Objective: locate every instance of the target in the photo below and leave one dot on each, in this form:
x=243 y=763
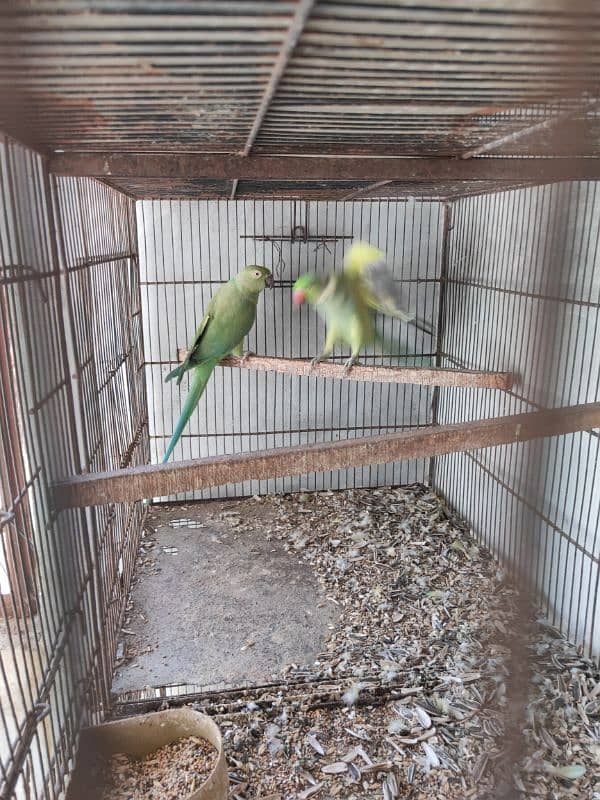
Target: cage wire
x=88 y=329
x=189 y=248
x=72 y=399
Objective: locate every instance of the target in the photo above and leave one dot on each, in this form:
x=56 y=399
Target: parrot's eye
x=257 y=274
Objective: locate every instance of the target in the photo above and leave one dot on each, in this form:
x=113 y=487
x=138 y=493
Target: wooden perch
x=161 y=480
x=427 y=376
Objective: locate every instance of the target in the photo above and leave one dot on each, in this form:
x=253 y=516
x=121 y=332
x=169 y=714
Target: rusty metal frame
x=531 y=130
x=331 y=168
x=299 y=21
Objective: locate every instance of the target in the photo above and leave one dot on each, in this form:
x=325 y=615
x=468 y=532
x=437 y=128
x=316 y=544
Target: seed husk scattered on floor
x=408 y=697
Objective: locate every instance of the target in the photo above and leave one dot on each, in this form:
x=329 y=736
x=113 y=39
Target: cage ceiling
x=139 y=94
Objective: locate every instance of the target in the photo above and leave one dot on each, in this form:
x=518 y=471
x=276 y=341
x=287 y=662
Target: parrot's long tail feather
x=422 y=325
x=409 y=319
x=393 y=349
x=200 y=377
x=176 y=373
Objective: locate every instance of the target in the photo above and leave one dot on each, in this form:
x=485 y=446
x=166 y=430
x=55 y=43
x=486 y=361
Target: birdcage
x=151 y=151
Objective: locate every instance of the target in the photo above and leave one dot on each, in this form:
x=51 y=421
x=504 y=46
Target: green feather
x=198 y=383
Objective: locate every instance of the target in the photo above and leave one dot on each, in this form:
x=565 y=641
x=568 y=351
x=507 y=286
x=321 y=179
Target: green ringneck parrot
x=229 y=316
x=348 y=320
x=348 y=301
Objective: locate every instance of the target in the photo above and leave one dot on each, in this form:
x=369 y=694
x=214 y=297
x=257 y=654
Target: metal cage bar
x=70 y=360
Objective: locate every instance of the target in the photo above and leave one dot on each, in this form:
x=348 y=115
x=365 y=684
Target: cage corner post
x=441 y=325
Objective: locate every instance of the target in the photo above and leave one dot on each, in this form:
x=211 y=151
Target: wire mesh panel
x=523 y=294
x=189 y=248
x=70 y=399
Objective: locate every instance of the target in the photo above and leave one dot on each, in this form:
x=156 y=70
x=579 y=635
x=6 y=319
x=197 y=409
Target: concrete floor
x=218 y=603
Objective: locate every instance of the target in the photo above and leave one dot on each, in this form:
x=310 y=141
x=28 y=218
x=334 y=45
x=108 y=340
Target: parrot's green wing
x=383 y=292
x=366 y=266
x=180 y=371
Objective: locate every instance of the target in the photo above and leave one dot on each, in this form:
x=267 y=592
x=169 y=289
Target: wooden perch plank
x=426 y=376
x=161 y=480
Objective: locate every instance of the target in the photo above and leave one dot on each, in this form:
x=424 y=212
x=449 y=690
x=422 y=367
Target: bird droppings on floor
x=407 y=697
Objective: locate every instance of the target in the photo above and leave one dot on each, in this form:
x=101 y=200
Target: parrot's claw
x=314 y=361
x=246 y=356
x=348 y=365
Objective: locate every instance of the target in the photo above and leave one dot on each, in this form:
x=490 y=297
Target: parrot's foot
x=349 y=364
x=317 y=360
x=246 y=356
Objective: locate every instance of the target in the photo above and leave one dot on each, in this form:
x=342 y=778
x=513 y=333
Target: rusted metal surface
x=277 y=77
x=176 y=188
x=534 y=129
x=162 y=480
x=426 y=376
x=404 y=65
x=135 y=75
x=169 y=165
x=303 y=10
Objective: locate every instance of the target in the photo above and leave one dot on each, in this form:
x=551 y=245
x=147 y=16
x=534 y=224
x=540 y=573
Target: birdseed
x=170 y=773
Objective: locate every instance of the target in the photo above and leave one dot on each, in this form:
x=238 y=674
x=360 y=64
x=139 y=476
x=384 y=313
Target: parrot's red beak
x=298 y=297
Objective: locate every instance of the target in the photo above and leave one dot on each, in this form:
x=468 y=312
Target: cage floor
x=407 y=697
x=218 y=600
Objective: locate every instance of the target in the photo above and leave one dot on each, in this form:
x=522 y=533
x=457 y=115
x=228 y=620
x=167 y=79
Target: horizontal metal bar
x=278 y=284
x=33 y=274
x=47 y=397
x=215 y=697
x=161 y=480
x=113 y=371
x=293 y=239
x=8 y=515
x=293 y=431
x=30 y=275
x=105 y=259
x=521 y=293
x=424 y=376
x=332 y=168
x=365 y=189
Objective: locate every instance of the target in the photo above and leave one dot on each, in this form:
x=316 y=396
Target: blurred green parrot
x=230 y=314
x=348 y=302
x=366 y=266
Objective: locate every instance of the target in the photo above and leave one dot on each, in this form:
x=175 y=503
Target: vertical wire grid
x=241 y=411
x=523 y=294
x=72 y=399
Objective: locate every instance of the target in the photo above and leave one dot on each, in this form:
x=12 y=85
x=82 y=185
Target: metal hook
x=280 y=265
x=318 y=246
